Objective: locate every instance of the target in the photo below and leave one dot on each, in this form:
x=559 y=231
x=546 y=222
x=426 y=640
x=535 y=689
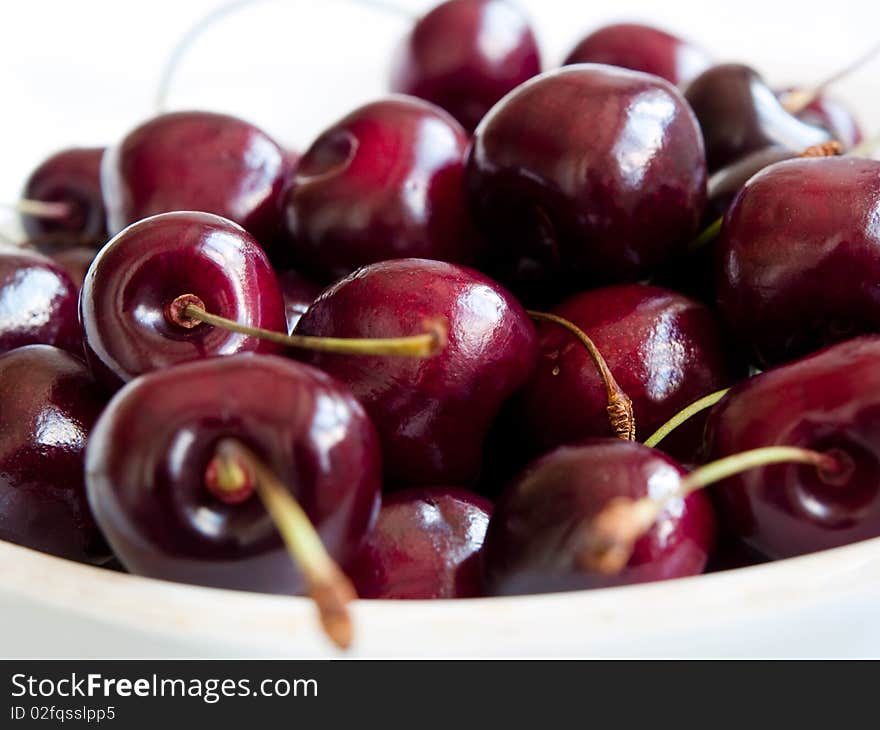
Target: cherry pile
x=229 y=364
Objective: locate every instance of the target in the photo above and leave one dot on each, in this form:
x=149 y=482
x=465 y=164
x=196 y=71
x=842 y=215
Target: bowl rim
x=288 y=624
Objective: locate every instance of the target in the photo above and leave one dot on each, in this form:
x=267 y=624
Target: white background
x=77 y=72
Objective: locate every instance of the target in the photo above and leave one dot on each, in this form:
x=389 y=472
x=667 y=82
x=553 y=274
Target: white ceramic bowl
x=100 y=82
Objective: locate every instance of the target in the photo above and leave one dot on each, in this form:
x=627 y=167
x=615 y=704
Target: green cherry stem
x=707 y=401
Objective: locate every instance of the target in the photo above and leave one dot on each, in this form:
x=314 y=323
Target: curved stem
x=326 y=584
x=799 y=99
x=211 y=19
x=707 y=401
x=620 y=409
x=609 y=542
x=185 y=313
x=39 y=208
x=707 y=235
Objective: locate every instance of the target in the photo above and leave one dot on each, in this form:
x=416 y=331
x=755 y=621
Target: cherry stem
x=613 y=534
x=707 y=401
x=620 y=408
x=188 y=311
x=202 y=25
x=50 y=210
x=326 y=584
x=799 y=99
x=708 y=234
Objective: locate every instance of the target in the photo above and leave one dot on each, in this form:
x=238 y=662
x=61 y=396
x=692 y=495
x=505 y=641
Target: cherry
x=75 y=260
x=384 y=182
x=38 y=302
x=664 y=349
x=539 y=537
x=427 y=543
x=464 y=55
x=49 y=403
x=833 y=116
x=642 y=48
x=178 y=500
x=299 y=293
x=586 y=172
x=740 y=116
x=432 y=415
x=195 y=161
x=799 y=256
x=71 y=179
x=128 y=324
x=829 y=402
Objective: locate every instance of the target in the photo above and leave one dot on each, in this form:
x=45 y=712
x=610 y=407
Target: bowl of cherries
x=520 y=358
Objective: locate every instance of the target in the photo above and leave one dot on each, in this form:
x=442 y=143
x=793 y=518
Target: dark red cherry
x=127 y=324
x=75 y=260
x=464 y=55
x=38 y=302
x=799 y=257
x=642 y=48
x=833 y=116
x=299 y=293
x=427 y=543
x=541 y=525
x=431 y=414
x=385 y=182
x=148 y=456
x=740 y=115
x=586 y=173
x=72 y=177
x=664 y=350
x=828 y=402
x=49 y=404
x=195 y=161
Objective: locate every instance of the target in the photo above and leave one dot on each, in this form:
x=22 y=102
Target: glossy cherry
x=128 y=327
x=72 y=177
x=834 y=116
x=49 y=404
x=38 y=302
x=740 y=115
x=195 y=161
x=464 y=55
x=664 y=350
x=586 y=173
x=431 y=414
x=541 y=524
x=642 y=48
x=799 y=257
x=828 y=402
x=427 y=543
x=148 y=457
x=299 y=293
x=385 y=182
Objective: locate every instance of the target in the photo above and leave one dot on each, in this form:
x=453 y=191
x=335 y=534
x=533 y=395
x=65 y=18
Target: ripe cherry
x=539 y=537
x=464 y=55
x=642 y=48
x=427 y=543
x=384 y=182
x=586 y=173
x=799 y=255
x=178 y=502
x=827 y=402
x=71 y=180
x=664 y=350
x=432 y=415
x=197 y=161
x=741 y=116
x=38 y=302
x=49 y=404
x=128 y=323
